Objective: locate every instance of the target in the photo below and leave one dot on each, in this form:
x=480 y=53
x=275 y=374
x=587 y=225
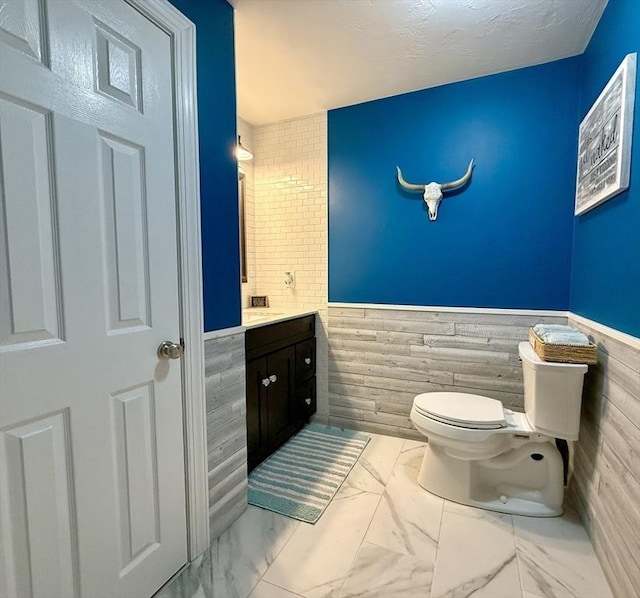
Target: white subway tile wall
x=286 y=220
x=245 y=130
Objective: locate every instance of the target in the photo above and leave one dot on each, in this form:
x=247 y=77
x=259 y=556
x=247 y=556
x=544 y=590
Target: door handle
x=307 y=401
x=307 y=360
x=265 y=382
x=273 y=378
x=170 y=350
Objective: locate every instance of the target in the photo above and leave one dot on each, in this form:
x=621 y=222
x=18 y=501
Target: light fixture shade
x=242 y=153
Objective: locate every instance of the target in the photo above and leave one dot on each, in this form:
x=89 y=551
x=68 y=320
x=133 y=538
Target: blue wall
x=605 y=282
x=505 y=240
x=218 y=167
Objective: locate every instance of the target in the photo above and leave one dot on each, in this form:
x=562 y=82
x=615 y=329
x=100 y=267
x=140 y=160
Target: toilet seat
x=462 y=410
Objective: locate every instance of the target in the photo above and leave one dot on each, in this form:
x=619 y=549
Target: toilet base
x=527 y=480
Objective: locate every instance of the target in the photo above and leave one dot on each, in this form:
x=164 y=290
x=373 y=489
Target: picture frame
x=604 y=142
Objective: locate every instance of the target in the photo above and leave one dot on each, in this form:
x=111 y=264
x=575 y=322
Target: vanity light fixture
x=242 y=153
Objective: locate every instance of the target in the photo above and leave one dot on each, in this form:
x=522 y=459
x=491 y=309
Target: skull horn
x=460 y=181
x=408 y=186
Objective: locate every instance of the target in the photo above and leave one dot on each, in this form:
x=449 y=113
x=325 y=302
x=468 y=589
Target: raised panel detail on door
x=30 y=298
x=117 y=67
x=135 y=442
x=37 y=499
x=281 y=398
x=22 y=26
x=126 y=234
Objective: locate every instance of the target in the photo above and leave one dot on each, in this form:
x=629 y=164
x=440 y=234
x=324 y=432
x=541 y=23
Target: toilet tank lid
x=463 y=408
x=528 y=355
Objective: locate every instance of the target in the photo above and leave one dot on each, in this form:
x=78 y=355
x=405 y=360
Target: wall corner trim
x=622 y=337
x=207 y=336
x=447 y=309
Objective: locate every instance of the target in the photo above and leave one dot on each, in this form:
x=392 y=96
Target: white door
x=92 y=483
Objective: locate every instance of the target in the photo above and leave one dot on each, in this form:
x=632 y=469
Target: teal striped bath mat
x=301 y=477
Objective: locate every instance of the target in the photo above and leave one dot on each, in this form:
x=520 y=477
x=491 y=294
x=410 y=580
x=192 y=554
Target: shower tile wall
x=226 y=430
x=379 y=359
x=289 y=222
x=606 y=483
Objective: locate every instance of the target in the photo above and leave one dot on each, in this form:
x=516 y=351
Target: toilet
x=482 y=454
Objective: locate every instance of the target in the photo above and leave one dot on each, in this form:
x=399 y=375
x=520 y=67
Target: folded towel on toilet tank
x=559 y=334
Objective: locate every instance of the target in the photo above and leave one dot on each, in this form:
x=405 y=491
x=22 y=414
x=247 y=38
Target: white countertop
x=260 y=316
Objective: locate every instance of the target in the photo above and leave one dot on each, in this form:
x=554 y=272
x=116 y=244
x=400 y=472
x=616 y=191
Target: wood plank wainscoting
x=380 y=358
x=226 y=427
x=605 y=486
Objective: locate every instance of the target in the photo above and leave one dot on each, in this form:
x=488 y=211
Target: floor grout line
x=357 y=552
x=260 y=578
x=435 y=559
x=518 y=560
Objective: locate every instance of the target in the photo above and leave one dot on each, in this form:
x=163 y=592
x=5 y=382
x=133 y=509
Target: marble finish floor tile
x=194 y=581
x=408 y=517
x=243 y=553
x=556 y=558
x=411 y=453
x=317 y=558
x=378 y=539
x=267 y=590
x=476 y=555
x=375 y=465
x=379 y=572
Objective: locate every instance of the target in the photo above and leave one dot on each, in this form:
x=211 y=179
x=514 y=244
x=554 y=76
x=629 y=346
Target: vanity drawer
x=306 y=398
x=305 y=359
x=271 y=337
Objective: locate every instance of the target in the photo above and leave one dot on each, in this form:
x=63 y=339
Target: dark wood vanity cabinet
x=281 y=384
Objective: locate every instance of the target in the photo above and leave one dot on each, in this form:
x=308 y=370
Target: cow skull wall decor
x=433 y=191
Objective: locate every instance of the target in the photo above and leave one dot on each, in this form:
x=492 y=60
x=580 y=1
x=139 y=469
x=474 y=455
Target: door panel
x=35 y=490
x=126 y=235
x=117 y=66
x=30 y=306
x=135 y=434
x=88 y=252
x=21 y=27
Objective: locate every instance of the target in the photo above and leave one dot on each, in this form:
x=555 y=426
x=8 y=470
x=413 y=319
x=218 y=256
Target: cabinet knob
x=265 y=382
x=307 y=401
x=273 y=378
x=307 y=360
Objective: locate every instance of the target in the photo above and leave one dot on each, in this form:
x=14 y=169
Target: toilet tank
x=552 y=394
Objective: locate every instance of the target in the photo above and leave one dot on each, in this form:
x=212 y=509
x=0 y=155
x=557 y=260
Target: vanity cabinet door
x=257 y=429
x=281 y=404
x=281 y=393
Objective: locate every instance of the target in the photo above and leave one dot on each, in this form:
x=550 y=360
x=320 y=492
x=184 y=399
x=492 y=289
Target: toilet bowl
x=482 y=454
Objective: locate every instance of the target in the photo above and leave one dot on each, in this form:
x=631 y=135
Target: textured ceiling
x=296 y=57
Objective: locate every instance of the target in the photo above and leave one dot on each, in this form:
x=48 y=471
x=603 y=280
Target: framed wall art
x=604 y=143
